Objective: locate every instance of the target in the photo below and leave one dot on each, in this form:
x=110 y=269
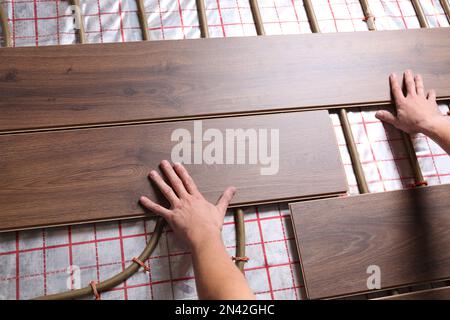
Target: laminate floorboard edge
x=153 y=81
x=85 y=175
x=341 y=241
x=431 y=294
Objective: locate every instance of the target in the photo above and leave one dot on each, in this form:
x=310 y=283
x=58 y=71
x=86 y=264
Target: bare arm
x=417 y=112
x=199 y=223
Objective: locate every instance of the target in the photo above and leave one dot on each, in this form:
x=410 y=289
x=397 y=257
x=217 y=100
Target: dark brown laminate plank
x=73 y=176
x=431 y=294
x=63 y=86
x=406 y=233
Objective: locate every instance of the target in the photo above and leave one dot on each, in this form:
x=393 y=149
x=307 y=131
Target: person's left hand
x=191 y=216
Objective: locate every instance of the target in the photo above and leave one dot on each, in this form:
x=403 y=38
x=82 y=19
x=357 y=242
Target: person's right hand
x=417 y=112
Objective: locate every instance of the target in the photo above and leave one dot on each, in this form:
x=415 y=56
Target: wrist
x=205 y=240
x=435 y=127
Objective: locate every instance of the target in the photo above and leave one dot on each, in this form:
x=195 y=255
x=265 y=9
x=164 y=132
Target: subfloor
x=39 y=262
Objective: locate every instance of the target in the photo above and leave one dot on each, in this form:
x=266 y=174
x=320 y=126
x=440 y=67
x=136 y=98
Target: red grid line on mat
x=287 y=252
x=122 y=256
x=373 y=155
x=170 y=269
x=57 y=24
x=69 y=238
x=36 y=24
x=240 y=17
x=44 y=259
x=121 y=21
x=17 y=267
x=97 y=263
x=99 y=21
x=266 y=264
x=243 y=21
x=150 y=269
x=219 y=10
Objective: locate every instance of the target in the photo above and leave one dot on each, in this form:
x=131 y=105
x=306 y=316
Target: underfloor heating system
x=46 y=261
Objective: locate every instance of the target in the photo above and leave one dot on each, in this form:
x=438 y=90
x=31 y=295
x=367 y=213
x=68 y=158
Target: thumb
x=386 y=116
x=225 y=199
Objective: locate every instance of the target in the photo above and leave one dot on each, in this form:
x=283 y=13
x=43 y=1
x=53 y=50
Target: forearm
x=216 y=275
x=439 y=132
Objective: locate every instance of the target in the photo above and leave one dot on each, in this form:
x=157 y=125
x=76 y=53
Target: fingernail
x=152 y=173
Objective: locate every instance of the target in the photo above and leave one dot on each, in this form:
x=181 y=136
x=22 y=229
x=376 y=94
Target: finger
x=431 y=95
x=395 y=88
x=156 y=208
x=386 y=116
x=165 y=189
x=175 y=181
x=225 y=199
x=420 y=90
x=187 y=180
x=409 y=83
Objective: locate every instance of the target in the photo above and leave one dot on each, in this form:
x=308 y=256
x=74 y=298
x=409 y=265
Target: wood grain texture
x=60 y=86
x=81 y=175
x=431 y=294
x=406 y=233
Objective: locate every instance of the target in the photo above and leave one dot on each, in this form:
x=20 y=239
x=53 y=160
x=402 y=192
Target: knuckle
x=177 y=204
x=185 y=177
x=191 y=198
x=196 y=195
x=166 y=190
x=178 y=184
x=191 y=184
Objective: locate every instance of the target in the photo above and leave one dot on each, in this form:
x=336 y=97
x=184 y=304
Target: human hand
x=192 y=218
x=417 y=111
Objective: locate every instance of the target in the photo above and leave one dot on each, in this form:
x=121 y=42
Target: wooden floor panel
x=76 y=85
x=405 y=233
x=72 y=176
x=431 y=294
